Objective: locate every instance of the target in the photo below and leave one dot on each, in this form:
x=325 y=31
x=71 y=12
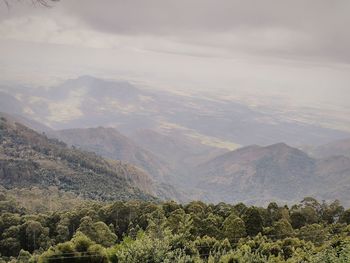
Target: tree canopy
x=140 y=231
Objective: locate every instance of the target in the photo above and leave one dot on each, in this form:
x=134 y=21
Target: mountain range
x=112 y=140
x=87 y=101
x=253 y=174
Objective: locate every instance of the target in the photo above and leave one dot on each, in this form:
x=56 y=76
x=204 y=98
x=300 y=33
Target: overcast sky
x=298 y=51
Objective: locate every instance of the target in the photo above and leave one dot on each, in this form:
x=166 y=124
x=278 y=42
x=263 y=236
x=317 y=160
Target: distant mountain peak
x=283 y=148
x=273 y=172
x=279 y=145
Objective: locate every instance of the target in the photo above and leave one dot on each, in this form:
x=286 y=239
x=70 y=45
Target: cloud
x=296 y=49
x=49 y=30
x=315 y=28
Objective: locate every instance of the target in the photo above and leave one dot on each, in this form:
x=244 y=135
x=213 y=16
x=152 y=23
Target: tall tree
x=253 y=221
x=234 y=228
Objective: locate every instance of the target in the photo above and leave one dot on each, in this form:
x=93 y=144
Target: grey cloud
x=312 y=28
x=298 y=29
x=194 y=44
x=167 y=16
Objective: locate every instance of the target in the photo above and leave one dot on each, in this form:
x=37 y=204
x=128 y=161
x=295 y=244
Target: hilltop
x=258 y=174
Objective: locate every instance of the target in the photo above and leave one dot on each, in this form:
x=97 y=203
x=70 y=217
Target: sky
x=292 y=52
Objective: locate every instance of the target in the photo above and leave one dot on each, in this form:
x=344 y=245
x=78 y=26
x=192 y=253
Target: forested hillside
x=258 y=175
x=137 y=231
x=171 y=166
x=109 y=143
x=30 y=159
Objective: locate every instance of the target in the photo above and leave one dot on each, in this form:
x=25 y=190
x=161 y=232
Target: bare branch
x=7 y=4
x=44 y=3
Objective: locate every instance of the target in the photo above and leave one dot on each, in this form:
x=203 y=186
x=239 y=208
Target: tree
x=202 y=234
x=315 y=233
x=79 y=249
x=234 y=228
x=274 y=212
x=282 y=229
x=174 y=219
x=253 y=221
x=331 y=213
x=10 y=246
x=345 y=217
x=81 y=242
x=196 y=207
x=23 y=256
x=35 y=236
x=143 y=249
x=62 y=232
x=206 y=225
x=298 y=219
x=223 y=210
x=311 y=202
x=211 y=226
x=98 y=232
x=240 y=208
x=205 y=246
x=169 y=207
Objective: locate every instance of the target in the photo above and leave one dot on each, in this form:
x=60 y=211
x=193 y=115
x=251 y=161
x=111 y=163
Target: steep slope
x=334 y=173
x=109 y=143
x=30 y=123
x=30 y=159
x=277 y=172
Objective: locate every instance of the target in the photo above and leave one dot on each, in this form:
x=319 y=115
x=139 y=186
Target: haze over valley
x=203 y=148
x=174 y=131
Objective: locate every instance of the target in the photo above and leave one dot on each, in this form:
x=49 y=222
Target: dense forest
x=141 y=231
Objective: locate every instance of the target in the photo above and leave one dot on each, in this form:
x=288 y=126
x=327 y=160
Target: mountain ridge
x=274 y=172
x=89 y=101
x=111 y=144
x=31 y=159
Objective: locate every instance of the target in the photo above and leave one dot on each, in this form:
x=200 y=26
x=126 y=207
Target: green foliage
x=314 y=232
x=143 y=249
x=234 y=228
x=79 y=249
x=23 y=256
x=253 y=221
x=345 y=217
x=99 y=232
x=170 y=232
x=298 y=219
x=30 y=159
x=282 y=229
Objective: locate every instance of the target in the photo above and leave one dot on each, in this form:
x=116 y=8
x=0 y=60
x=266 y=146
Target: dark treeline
x=137 y=231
